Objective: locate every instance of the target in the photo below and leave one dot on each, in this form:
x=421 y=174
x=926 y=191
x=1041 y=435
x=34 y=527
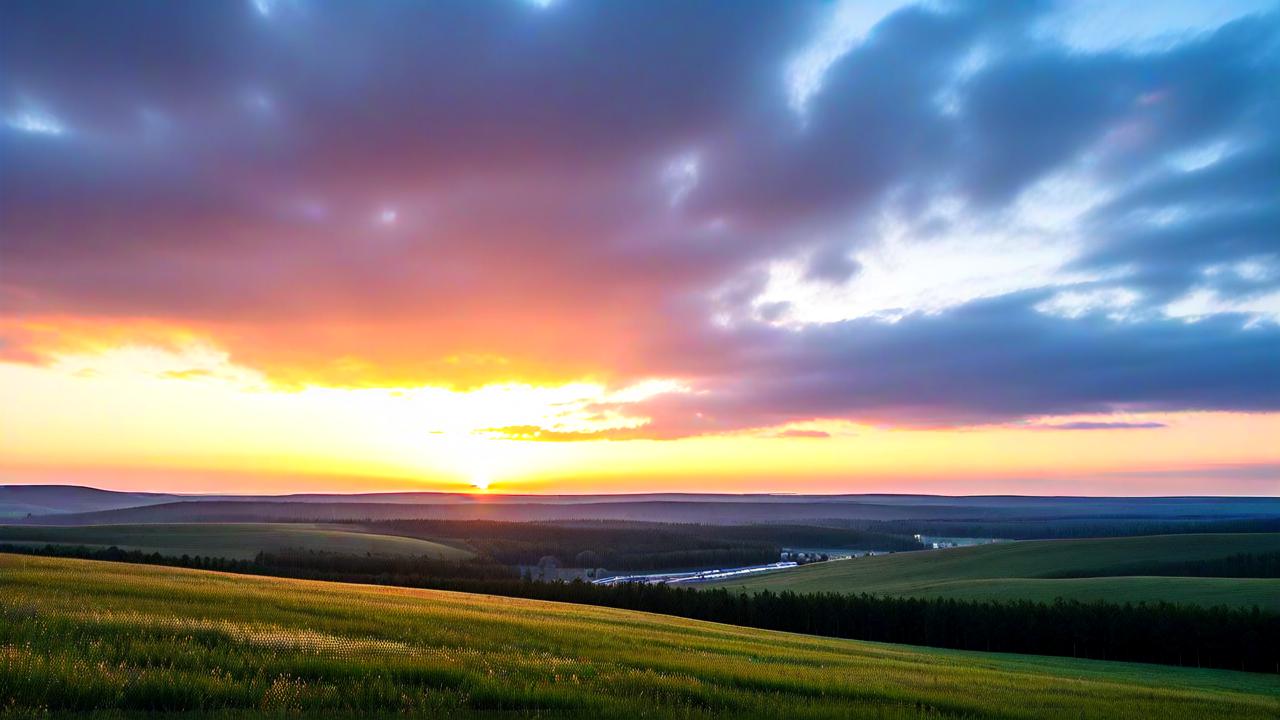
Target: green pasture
x=81 y=638
x=1024 y=570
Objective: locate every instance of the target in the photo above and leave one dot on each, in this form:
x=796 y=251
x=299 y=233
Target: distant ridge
x=21 y=500
x=76 y=505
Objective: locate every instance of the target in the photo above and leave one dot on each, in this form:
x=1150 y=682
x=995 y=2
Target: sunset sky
x=571 y=246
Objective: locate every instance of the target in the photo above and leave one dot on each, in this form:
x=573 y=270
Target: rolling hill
x=239 y=540
x=1026 y=570
x=163 y=639
x=707 y=512
x=73 y=505
x=18 y=501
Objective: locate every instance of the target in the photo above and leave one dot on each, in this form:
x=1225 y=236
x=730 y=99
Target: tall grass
x=101 y=639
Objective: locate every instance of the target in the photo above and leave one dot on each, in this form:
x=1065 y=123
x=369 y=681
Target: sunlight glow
x=223 y=429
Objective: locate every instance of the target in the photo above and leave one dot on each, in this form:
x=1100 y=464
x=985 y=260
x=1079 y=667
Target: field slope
x=228 y=540
x=1023 y=570
x=81 y=636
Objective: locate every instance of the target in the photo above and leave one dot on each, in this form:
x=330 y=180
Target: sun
x=481 y=481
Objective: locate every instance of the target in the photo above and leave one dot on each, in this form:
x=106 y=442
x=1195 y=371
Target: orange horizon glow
x=150 y=419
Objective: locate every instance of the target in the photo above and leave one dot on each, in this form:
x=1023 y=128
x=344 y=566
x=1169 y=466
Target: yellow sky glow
x=143 y=418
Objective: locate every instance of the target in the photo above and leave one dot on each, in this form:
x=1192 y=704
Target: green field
x=228 y=540
x=1019 y=569
x=82 y=636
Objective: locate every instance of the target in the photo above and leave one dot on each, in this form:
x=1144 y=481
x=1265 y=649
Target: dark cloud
x=1244 y=177
x=1222 y=213
x=832 y=264
x=1029 y=114
x=1171 y=258
x=873 y=123
x=1025 y=118
x=985 y=362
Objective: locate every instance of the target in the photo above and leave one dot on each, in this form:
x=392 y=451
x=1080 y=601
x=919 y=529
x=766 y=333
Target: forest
x=637 y=545
x=1056 y=528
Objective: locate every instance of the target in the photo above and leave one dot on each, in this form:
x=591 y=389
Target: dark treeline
x=1060 y=528
x=674 y=559
x=115 y=554
x=299 y=563
x=806 y=536
x=408 y=567
x=1219 y=637
x=637 y=546
x=1243 y=565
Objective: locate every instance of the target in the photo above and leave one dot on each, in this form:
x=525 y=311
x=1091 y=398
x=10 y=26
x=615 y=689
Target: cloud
x=459 y=195
x=803 y=434
x=538 y=433
x=989 y=361
x=832 y=264
x=1096 y=425
x=188 y=374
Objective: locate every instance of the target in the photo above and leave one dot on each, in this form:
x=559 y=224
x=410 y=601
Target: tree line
x=621 y=545
x=1061 y=528
x=1240 y=565
x=1220 y=637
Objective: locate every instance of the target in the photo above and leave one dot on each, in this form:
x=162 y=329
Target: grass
x=103 y=639
x=228 y=540
x=1020 y=570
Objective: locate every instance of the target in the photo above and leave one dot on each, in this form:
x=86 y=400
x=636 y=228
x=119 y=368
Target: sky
x=570 y=246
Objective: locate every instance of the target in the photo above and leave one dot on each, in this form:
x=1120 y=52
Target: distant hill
x=648 y=511
x=73 y=505
x=21 y=500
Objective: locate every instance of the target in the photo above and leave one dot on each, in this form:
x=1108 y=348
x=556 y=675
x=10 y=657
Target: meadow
x=165 y=639
x=1026 y=570
x=240 y=541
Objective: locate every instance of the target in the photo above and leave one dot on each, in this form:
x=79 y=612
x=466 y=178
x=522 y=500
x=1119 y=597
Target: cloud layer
x=460 y=194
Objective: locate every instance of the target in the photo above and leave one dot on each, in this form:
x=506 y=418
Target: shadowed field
x=228 y=540
x=1025 y=570
x=84 y=636
x=1207 y=592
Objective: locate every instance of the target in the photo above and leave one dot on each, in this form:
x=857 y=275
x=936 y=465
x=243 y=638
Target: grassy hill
x=81 y=636
x=229 y=540
x=1024 y=570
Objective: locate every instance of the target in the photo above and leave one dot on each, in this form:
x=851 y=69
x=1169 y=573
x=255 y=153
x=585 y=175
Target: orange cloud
x=323 y=354
x=43 y=340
